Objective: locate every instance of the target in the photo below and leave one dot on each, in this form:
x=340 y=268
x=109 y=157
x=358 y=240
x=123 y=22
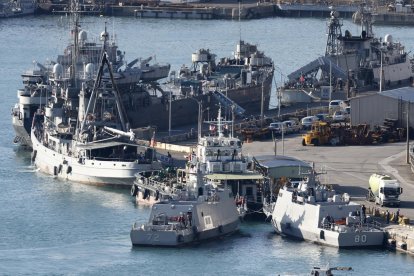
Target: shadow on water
x=216 y=244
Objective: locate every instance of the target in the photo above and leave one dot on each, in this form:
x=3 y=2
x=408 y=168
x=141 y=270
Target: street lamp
x=169 y=114
x=261 y=106
x=381 y=73
x=408 y=133
x=200 y=116
x=381 y=68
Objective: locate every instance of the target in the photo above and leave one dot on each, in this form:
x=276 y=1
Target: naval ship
x=203 y=211
x=14 y=8
x=79 y=61
x=218 y=158
x=352 y=63
x=93 y=146
x=313 y=212
x=242 y=82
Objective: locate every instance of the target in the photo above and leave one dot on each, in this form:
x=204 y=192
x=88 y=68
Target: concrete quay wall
x=393 y=18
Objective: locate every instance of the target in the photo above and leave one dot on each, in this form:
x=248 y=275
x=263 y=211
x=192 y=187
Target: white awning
x=234 y=176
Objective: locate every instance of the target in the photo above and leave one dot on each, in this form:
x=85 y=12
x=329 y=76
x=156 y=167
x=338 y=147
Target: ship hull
x=93 y=172
x=141 y=237
x=168 y=226
x=305 y=221
x=331 y=238
x=185 y=111
x=22 y=136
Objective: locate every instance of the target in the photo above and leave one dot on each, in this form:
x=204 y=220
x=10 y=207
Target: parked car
x=340 y=116
x=308 y=121
x=278 y=127
x=323 y=117
x=292 y=126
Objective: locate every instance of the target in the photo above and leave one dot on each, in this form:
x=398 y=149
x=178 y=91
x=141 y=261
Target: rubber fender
x=134 y=190
x=34 y=154
x=180 y=238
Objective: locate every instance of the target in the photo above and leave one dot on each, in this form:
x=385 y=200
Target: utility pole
x=381 y=73
x=408 y=133
x=261 y=106
x=169 y=114
x=274 y=143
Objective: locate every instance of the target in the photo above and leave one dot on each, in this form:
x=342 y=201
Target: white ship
x=314 y=213
x=93 y=145
x=219 y=159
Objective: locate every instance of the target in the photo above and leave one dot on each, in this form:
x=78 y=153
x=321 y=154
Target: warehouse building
x=392 y=104
x=278 y=166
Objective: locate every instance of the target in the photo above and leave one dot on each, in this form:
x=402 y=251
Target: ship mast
x=74 y=11
x=97 y=84
x=334 y=32
x=366 y=21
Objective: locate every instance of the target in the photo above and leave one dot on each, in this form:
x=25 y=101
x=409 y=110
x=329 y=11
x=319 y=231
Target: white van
x=336 y=105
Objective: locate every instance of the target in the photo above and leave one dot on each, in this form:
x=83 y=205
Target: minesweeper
x=202 y=212
x=314 y=213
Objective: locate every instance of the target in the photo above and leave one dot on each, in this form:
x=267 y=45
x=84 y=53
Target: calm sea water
x=54 y=227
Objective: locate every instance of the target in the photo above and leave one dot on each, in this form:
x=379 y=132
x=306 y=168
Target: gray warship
x=203 y=212
x=315 y=213
x=79 y=61
x=14 y=8
x=351 y=64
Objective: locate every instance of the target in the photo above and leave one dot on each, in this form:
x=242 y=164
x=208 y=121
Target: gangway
x=228 y=103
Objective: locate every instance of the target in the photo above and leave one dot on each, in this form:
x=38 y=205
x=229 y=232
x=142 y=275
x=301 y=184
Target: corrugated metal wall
x=289 y=172
x=373 y=109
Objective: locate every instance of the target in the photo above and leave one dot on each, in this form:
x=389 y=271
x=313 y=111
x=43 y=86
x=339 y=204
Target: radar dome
x=388 y=38
x=83 y=36
x=104 y=35
x=90 y=68
x=58 y=70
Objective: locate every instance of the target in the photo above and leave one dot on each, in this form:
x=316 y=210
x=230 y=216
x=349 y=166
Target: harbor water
x=55 y=227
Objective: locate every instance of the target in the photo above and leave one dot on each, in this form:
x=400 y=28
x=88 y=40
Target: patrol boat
x=314 y=213
x=218 y=157
x=203 y=212
x=93 y=145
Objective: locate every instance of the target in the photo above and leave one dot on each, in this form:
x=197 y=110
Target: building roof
x=277 y=161
x=404 y=93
